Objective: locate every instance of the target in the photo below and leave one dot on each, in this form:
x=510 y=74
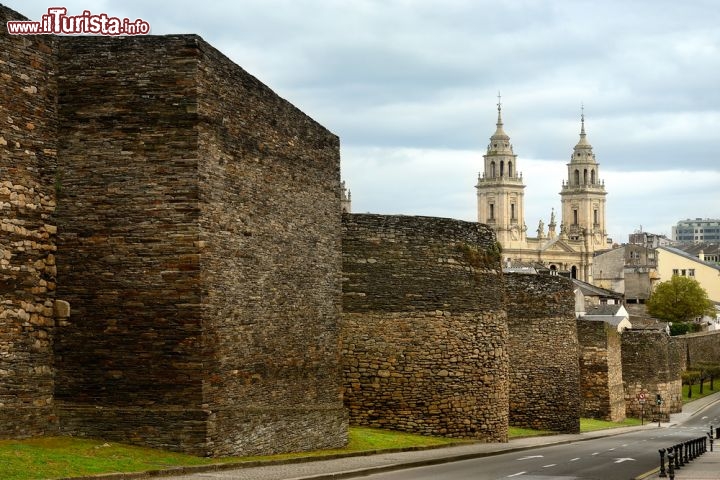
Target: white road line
x=575 y=459
x=611 y=449
x=596 y=453
x=551 y=465
x=516 y=474
x=621 y=460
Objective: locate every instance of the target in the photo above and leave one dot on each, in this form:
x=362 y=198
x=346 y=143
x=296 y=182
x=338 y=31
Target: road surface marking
x=516 y=474
x=621 y=460
x=551 y=465
x=596 y=453
x=611 y=449
x=575 y=459
x=531 y=456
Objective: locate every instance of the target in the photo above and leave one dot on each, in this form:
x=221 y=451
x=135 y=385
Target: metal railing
x=682 y=453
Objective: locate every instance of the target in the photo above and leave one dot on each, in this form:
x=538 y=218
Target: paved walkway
x=704 y=467
x=707 y=465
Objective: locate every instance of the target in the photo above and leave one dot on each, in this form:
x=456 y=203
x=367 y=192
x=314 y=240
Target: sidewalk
x=707 y=465
x=704 y=467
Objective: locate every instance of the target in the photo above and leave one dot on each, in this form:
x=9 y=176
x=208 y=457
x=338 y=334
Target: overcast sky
x=410 y=87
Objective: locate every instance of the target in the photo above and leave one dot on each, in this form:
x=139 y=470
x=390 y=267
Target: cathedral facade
x=566 y=250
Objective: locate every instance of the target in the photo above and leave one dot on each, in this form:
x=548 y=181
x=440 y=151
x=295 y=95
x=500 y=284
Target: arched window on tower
x=592 y=176
x=510 y=174
x=585 y=177
x=577 y=177
x=573 y=272
x=502 y=168
x=492 y=170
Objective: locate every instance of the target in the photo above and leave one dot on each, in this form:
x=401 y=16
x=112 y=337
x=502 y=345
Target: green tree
x=689 y=377
x=680 y=299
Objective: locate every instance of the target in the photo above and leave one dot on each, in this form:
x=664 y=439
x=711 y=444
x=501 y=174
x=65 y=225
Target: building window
x=592 y=177
x=585 y=176
x=575 y=217
x=675 y=271
x=502 y=168
x=683 y=272
x=510 y=174
x=691 y=272
x=492 y=211
x=492 y=169
x=595 y=217
x=577 y=177
x=512 y=211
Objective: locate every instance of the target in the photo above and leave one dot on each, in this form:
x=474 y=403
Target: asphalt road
x=621 y=457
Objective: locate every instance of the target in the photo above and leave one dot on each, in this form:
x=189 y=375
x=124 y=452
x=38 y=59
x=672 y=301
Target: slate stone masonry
x=199 y=246
x=601 y=388
x=28 y=149
x=544 y=353
x=424 y=329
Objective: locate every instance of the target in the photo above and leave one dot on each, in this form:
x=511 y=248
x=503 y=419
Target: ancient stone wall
x=130 y=362
x=270 y=266
x=699 y=348
x=544 y=353
x=199 y=245
x=424 y=330
x=601 y=382
x=28 y=146
x=651 y=364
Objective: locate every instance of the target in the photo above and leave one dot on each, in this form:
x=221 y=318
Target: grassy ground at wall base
x=696 y=395
x=60 y=457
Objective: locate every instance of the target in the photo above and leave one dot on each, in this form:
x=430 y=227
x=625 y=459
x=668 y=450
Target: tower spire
x=499 y=106
x=583 y=143
x=499 y=132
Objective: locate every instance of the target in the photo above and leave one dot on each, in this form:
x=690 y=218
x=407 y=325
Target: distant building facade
x=672 y=261
x=697 y=230
x=650 y=240
x=500 y=200
x=630 y=270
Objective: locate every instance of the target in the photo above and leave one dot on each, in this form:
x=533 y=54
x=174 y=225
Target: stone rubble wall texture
x=601 y=383
x=270 y=254
x=699 y=348
x=544 y=353
x=28 y=149
x=424 y=329
x=199 y=247
x=651 y=364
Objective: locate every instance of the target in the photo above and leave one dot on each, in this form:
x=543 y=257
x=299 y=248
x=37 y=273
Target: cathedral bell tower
x=583 y=196
x=500 y=190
